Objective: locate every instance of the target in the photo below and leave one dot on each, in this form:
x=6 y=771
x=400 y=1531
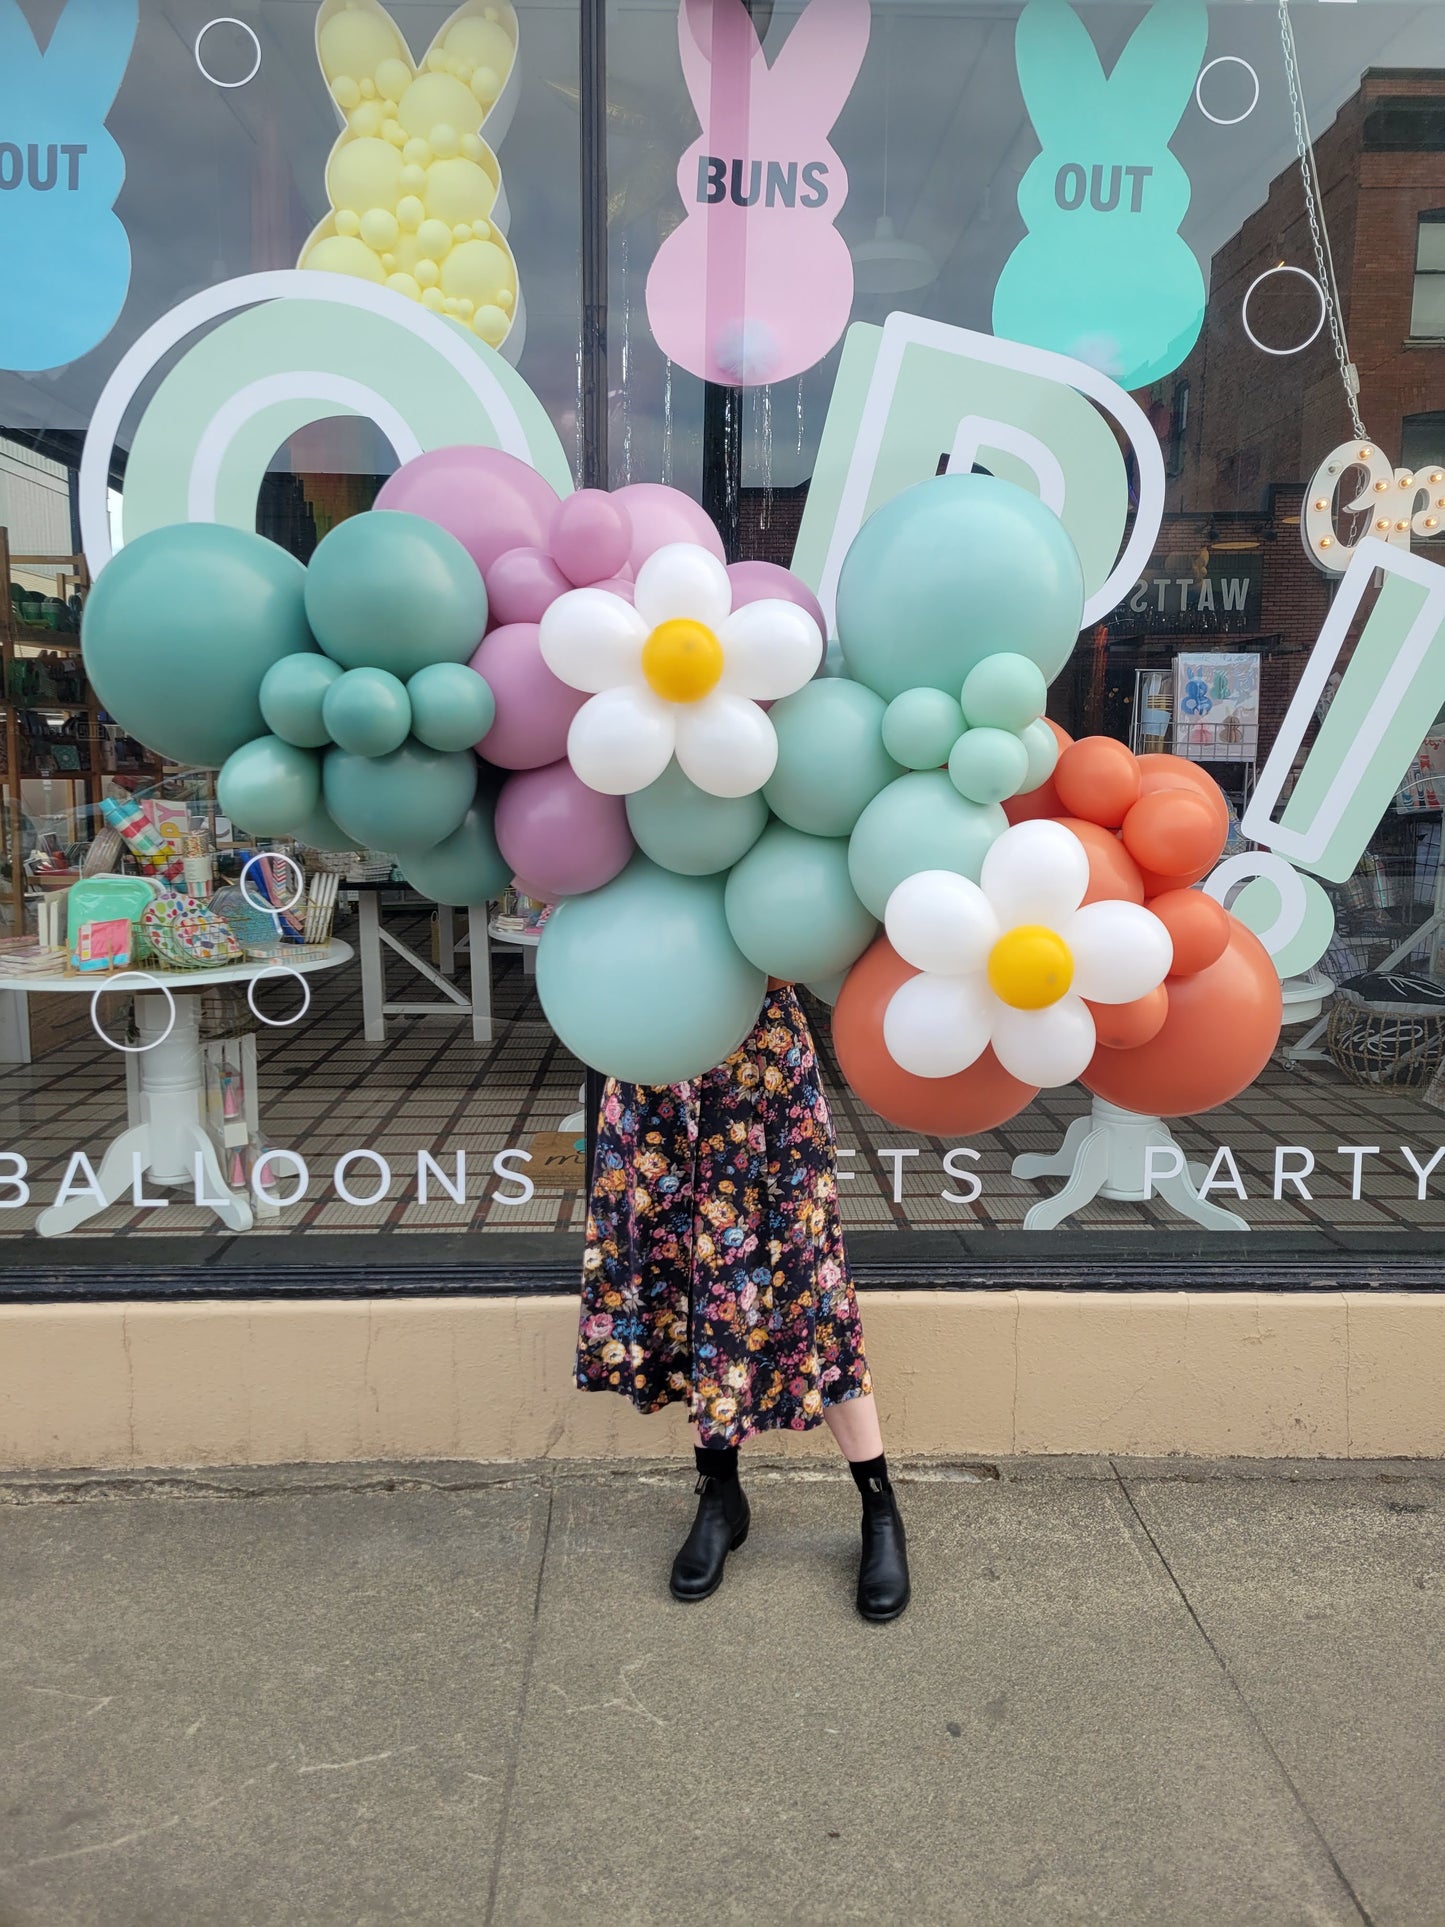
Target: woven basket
x=1401 y=1045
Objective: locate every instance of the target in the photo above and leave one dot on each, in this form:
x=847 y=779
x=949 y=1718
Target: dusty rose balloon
x=620 y=585
x=488 y=500
x=770 y=581
x=661 y=515
x=563 y=836
x=534 y=708
x=591 y=537
x=525 y=888
x=522 y=584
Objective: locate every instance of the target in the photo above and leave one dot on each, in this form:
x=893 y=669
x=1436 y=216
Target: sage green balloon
x=828 y=989
x=269 y=787
x=921 y=726
x=831 y=759
x=792 y=908
x=318 y=832
x=919 y=823
x=690 y=832
x=180 y=629
x=642 y=980
x=292 y=692
x=368 y=712
x=1041 y=746
x=988 y=764
x=387 y=590
x=452 y=707
x=1004 y=691
x=401 y=803
x=466 y=867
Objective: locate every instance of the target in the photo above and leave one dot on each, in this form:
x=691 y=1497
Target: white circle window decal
x=229 y=20
x=1299 y=347
x=278 y=970
x=1226 y=60
x=151 y=983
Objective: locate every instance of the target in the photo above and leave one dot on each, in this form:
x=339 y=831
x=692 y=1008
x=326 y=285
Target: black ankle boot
x=720 y=1527
x=883 y=1588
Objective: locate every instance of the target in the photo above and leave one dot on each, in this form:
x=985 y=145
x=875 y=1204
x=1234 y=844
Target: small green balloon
x=366 y=711
x=1041 y=746
x=292 y=692
x=387 y=590
x=451 y=706
x=921 y=726
x=180 y=630
x=831 y=759
x=466 y=867
x=690 y=832
x=919 y=823
x=318 y=832
x=1004 y=691
x=793 y=910
x=269 y=787
x=988 y=764
x=405 y=802
x=642 y=980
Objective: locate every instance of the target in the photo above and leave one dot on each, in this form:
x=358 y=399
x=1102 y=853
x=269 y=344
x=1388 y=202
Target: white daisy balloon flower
x=1014 y=960
x=677 y=672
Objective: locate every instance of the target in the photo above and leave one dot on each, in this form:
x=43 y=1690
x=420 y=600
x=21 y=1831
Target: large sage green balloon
x=368 y=712
x=686 y=830
x=404 y=802
x=387 y=590
x=642 y=980
x=269 y=787
x=792 y=908
x=452 y=707
x=831 y=759
x=179 y=632
x=919 y=823
x=953 y=570
x=318 y=832
x=465 y=867
x=292 y=692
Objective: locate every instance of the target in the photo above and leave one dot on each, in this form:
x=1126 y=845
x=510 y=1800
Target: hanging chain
x=1319 y=233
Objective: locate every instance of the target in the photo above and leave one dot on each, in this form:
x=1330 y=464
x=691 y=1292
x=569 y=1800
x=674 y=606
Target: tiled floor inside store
x=325 y=1090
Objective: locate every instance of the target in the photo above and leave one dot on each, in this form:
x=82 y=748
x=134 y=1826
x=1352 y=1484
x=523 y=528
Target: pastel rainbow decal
x=294 y=348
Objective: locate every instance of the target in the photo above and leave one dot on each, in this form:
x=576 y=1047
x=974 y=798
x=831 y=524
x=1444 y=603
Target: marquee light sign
x=1404 y=505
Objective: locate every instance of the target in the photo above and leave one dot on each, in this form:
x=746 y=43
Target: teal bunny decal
x=1102 y=274
x=66 y=253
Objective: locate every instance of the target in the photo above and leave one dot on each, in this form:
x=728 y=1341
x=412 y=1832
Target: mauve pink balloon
x=534 y=707
x=488 y=500
x=763 y=581
x=591 y=536
x=533 y=890
x=620 y=585
x=522 y=585
x=661 y=515
x=565 y=837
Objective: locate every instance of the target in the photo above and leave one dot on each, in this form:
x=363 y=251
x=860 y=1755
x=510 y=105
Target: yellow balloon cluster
x=413 y=186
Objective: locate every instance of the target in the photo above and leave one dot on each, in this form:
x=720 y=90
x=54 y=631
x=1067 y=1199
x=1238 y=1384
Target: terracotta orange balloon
x=1222 y=1025
x=1098 y=779
x=1172 y=833
x=1158 y=771
x=1044 y=801
x=1126 y=1026
x=974 y=1100
x=1112 y=871
x=1198 y=928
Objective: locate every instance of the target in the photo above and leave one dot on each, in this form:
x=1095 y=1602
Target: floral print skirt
x=714 y=1271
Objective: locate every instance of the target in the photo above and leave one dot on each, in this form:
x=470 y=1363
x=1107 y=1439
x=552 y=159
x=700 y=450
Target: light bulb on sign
x=1324 y=543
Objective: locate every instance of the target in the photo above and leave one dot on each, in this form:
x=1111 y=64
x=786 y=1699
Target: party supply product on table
x=183 y=936
x=104 y=945
x=100 y=900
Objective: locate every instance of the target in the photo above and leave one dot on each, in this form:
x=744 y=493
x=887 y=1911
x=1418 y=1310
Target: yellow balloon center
x=1030 y=967
x=682 y=660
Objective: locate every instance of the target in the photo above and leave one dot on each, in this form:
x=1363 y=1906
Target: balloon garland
x=581 y=696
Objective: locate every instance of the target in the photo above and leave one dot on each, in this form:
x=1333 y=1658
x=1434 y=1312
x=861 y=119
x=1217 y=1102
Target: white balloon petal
x=682 y=579
x=1046 y=1047
x=621 y=741
x=1120 y=951
x=1036 y=872
x=725 y=744
x=770 y=648
x=937 y=920
x=936 y=1026
x=592 y=640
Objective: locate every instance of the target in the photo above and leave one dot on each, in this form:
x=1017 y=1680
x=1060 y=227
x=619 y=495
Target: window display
x=1017 y=619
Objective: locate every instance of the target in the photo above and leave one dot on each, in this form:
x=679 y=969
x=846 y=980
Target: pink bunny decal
x=756 y=284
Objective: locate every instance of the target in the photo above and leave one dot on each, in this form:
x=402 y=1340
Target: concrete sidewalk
x=1127 y=1693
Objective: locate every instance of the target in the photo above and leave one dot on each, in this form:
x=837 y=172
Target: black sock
x=717 y=1461
x=866 y=1470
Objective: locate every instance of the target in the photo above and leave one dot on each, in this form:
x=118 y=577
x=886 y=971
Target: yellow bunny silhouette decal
x=416 y=193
